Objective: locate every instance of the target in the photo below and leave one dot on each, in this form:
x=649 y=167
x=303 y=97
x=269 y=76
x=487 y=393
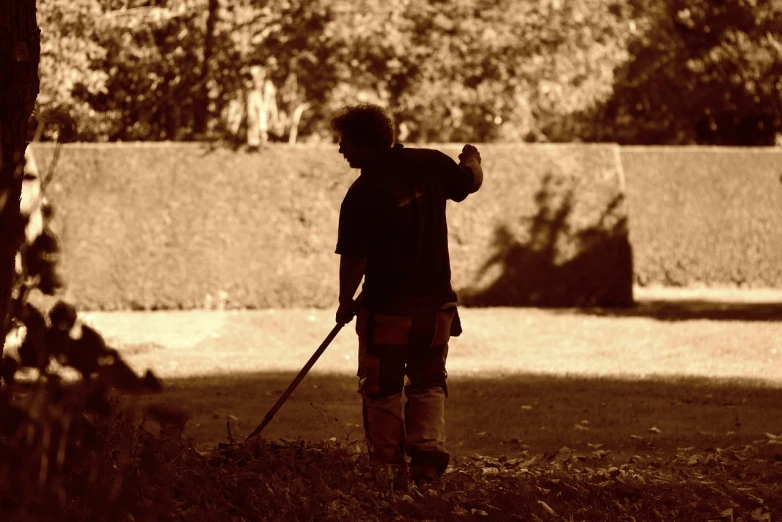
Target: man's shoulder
x=426 y=154
x=359 y=185
x=416 y=150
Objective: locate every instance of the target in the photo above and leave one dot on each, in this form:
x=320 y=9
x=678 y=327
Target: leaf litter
x=334 y=480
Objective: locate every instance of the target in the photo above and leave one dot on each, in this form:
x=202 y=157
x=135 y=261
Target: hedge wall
x=166 y=226
x=705 y=216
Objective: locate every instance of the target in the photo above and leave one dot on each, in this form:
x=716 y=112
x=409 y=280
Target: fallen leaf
x=654 y=429
x=478 y=512
x=759 y=516
x=547 y=508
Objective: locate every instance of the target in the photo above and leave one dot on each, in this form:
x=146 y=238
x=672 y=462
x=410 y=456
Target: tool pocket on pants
x=456 y=325
x=377 y=333
x=446 y=319
x=391 y=329
x=368 y=373
x=381 y=329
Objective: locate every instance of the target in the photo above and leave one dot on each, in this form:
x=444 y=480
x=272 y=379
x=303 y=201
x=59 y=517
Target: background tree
x=153 y=56
x=301 y=42
x=174 y=68
x=70 y=61
x=467 y=70
x=685 y=71
x=702 y=73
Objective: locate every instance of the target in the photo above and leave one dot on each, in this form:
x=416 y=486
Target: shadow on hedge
x=600 y=273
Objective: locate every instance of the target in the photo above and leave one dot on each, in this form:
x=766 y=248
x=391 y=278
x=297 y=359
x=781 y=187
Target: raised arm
x=471 y=158
x=463 y=178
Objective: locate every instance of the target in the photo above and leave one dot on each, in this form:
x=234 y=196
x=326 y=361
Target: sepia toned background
x=618 y=273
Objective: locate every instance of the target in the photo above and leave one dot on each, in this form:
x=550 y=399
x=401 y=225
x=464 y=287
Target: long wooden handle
x=322 y=348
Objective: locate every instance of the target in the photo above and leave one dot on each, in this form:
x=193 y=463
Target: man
x=393 y=232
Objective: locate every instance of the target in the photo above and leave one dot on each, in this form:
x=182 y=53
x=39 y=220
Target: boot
x=425 y=442
x=384 y=429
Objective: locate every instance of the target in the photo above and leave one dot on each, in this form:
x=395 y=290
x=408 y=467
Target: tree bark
x=201 y=109
x=20 y=53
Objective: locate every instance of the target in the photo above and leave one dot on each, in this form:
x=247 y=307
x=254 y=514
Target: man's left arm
x=351 y=271
x=352 y=247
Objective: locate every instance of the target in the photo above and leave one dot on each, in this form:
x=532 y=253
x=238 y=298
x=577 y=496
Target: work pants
x=392 y=348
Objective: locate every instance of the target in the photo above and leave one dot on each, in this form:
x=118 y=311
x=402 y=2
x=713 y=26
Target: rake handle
x=292 y=386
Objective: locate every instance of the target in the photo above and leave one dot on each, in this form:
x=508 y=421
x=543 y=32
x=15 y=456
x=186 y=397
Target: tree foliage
x=685 y=71
x=701 y=73
x=70 y=61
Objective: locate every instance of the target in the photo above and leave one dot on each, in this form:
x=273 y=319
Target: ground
x=667 y=411
x=686 y=368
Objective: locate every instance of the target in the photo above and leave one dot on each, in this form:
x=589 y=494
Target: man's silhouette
x=393 y=232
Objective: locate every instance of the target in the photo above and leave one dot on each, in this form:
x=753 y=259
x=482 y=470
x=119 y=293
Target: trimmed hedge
x=165 y=226
x=705 y=216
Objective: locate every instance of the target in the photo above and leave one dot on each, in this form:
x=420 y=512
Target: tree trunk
x=201 y=109
x=294 y=132
x=20 y=53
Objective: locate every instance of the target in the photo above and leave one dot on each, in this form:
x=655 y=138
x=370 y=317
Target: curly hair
x=365 y=125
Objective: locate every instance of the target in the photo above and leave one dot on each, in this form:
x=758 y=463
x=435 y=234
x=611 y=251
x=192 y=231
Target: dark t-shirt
x=394 y=216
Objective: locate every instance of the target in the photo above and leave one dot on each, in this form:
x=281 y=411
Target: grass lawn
x=704 y=371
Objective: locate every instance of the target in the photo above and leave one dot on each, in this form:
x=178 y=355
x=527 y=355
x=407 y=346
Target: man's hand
x=469 y=154
x=345 y=312
x=471 y=158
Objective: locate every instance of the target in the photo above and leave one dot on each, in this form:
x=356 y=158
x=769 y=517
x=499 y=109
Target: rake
x=292 y=386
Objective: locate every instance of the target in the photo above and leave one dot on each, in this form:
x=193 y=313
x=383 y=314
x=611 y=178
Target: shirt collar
x=383 y=155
